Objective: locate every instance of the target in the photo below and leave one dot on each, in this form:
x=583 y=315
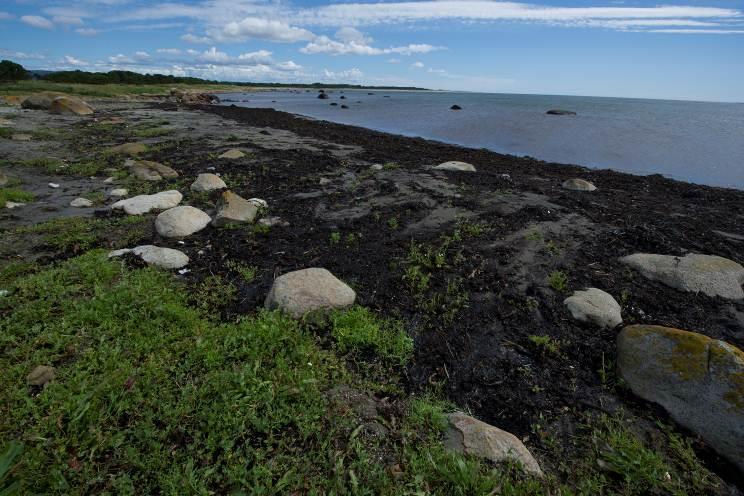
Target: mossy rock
x=698 y=380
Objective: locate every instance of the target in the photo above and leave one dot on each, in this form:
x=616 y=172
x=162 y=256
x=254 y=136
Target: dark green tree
x=10 y=71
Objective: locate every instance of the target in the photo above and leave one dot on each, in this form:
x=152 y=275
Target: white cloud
x=87 y=31
x=288 y=66
x=394 y=61
x=347 y=75
x=261 y=56
x=169 y=51
x=68 y=20
x=417 y=65
x=262 y=29
x=696 y=31
x=37 y=21
x=213 y=55
x=352 y=41
x=69 y=59
x=21 y=55
x=141 y=55
x=121 y=59
x=190 y=38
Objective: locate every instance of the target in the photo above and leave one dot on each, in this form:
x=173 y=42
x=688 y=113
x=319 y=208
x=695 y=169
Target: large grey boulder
x=472 y=437
x=578 y=185
x=142 y=204
x=709 y=274
x=300 y=292
x=70 y=105
x=232 y=208
x=167 y=258
x=179 y=222
x=40 y=101
x=207 y=182
x=455 y=166
x=594 y=306
x=698 y=380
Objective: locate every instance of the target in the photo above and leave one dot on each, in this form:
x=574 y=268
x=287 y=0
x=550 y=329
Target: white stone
x=594 y=306
x=455 y=166
x=232 y=154
x=10 y=204
x=142 y=204
x=119 y=192
x=302 y=291
x=54 y=185
x=181 y=221
x=208 y=182
x=81 y=203
x=578 y=185
x=108 y=180
x=259 y=203
x=166 y=258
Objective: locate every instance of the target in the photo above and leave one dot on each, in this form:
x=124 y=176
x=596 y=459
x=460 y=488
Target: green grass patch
x=6 y=132
x=558 y=280
x=14 y=195
x=358 y=330
x=151 y=132
x=101 y=90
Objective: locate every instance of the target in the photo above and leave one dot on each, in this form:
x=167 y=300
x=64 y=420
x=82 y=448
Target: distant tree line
x=11 y=71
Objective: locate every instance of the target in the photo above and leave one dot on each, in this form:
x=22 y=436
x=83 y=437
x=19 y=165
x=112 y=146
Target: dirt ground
x=486 y=242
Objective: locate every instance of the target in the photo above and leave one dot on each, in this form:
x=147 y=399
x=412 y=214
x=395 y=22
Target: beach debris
x=166 y=258
x=470 y=436
x=142 y=204
x=578 y=185
x=182 y=221
x=455 y=166
x=323 y=96
x=233 y=153
x=81 y=203
x=207 y=182
x=708 y=274
x=698 y=380
x=302 y=291
x=594 y=306
x=232 y=208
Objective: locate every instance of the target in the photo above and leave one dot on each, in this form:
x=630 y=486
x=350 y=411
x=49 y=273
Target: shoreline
x=473 y=267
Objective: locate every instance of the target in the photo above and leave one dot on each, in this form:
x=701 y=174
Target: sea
x=698 y=142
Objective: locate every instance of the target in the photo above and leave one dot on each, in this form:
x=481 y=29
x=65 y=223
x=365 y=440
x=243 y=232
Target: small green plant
x=259 y=228
x=214 y=293
x=8 y=484
x=533 y=236
x=151 y=132
x=359 y=330
x=247 y=272
x=418 y=280
x=558 y=280
x=352 y=239
x=545 y=344
x=472 y=229
x=14 y=195
x=231 y=138
x=335 y=238
x=6 y=132
x=390 y=166
x=393 y=223
x=97 y=197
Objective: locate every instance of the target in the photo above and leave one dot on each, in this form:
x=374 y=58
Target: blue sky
x=679 y=50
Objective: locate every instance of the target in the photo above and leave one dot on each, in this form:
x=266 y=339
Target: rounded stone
x=594 y=306
x=303 y=291
x=578 y=185
x=455 y=166
x=142 y=204
x=81 y=203
x=208 y=182
x=179 y=222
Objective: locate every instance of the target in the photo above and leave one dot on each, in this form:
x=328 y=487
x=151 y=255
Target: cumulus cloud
x=190 y=38
x=21 y=55
x=417 y=65
x=87 y=31
x=121 y=59
x=353 y=74
x=69 y=59
x=169 y=51
x=68 y=20
x=261 y=56
x=262 y=29
x=37 y=21
x=352 y=41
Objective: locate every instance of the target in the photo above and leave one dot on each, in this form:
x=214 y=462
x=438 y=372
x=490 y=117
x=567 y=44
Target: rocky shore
x=537 y=296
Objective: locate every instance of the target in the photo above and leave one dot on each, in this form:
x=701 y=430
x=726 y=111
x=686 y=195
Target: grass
x=151 y=397
x=14 y=195
x=359 y=330
x=545 y=344
x=558 y=280
x=247 y=272
x=151 y=132
x=6 y=132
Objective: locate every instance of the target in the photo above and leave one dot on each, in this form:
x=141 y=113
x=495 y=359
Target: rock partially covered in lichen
x=698 y=380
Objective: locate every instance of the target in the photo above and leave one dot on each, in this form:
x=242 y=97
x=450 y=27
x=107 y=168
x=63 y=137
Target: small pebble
x=53 y=185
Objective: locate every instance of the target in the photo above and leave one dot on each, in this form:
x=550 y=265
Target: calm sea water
x=690 y=141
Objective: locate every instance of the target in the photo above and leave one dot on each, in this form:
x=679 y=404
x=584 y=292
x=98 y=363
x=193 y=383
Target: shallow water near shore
x=697 y=142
